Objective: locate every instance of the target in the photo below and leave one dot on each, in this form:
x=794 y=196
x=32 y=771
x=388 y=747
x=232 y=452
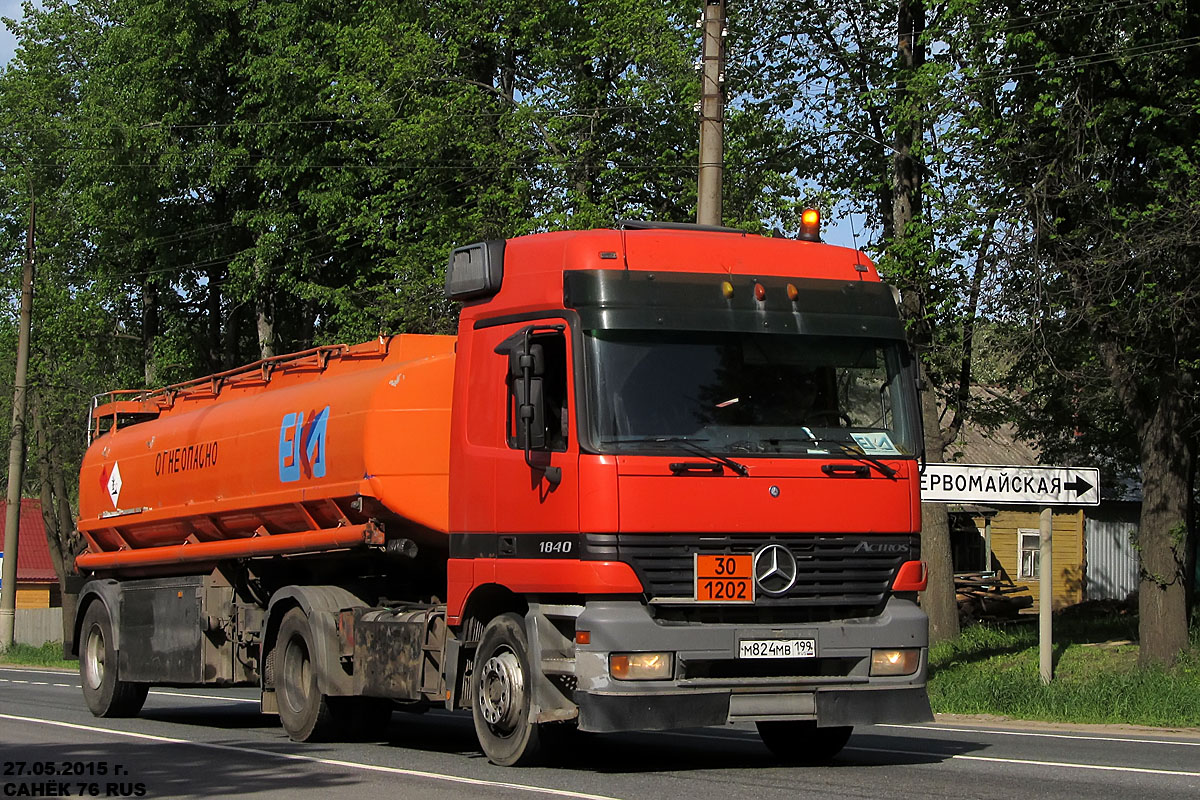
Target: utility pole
x=16 y=450
x=712 y=113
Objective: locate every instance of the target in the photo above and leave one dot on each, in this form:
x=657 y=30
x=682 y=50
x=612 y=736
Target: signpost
x=994 y=484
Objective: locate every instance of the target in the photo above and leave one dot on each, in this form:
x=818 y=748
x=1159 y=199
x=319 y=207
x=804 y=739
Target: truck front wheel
x=503 y=694
x=802 y=742
x=304 y=711
x=106 y=694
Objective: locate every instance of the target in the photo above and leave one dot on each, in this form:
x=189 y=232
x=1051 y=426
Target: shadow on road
x=706 y=749
x=675 y=751
x=226 y=718
x=160 y=769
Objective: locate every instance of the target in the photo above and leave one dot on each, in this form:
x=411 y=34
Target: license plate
x=724 y=578
x=777 y=648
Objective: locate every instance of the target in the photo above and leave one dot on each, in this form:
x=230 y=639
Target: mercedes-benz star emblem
x=775 y=569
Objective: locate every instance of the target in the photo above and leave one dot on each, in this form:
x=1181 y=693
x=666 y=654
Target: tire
x=502 y=694
x=802 y=742
x=106 y=694
x=306 y=714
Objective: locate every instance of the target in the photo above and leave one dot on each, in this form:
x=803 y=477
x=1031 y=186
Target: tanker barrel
x=320 y=453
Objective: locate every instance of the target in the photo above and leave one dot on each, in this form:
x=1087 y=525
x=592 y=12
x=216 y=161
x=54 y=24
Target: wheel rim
x=502 y=692
x=94 y=658
x=297 y=674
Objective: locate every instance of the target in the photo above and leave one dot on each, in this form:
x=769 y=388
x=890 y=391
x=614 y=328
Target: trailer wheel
x=306 y=714
x=106 y=694
x=802 y=742
x=503 y=694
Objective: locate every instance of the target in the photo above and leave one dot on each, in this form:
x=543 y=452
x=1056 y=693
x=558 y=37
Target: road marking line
x=1044 y=735
x=207 y=697
x=998 y=760
x=725 y=736
x=333 y=762
x=167 y=694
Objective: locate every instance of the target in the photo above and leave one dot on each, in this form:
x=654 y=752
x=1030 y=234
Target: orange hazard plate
x=724 y=578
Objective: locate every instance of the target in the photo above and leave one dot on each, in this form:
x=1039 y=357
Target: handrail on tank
x=298 y=543
x=150 y=402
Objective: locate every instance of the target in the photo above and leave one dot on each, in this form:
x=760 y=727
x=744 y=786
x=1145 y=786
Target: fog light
x=895 y=662
x=640 y=666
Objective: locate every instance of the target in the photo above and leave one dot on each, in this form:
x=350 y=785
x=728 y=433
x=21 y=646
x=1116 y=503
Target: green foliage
x=48 y=655
x=994 y=670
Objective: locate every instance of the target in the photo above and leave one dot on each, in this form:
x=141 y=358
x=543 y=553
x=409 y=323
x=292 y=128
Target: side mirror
x=535 y=359
x=527 y=369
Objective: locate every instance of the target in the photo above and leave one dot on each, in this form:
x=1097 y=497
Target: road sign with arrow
x=993 y=484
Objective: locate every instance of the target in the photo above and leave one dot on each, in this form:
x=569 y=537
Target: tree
x=878 y=100
x=1101 y=104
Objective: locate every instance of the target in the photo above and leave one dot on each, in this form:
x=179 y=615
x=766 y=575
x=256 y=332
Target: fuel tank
x=297 y=453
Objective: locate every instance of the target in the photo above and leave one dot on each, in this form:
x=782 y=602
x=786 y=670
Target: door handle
x=685 y=467
x=846 y=470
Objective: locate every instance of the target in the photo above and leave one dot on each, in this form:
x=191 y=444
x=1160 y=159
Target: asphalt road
x=214 y=743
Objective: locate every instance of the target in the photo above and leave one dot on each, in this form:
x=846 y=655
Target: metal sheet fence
x=36 y=626
x=1112 y=570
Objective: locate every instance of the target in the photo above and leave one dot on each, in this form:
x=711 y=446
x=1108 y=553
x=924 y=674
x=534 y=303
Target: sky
x=11 y=9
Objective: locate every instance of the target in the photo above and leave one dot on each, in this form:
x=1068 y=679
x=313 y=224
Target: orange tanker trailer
x=647 y=486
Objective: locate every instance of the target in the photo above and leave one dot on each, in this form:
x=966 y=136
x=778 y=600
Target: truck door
x=537 y=491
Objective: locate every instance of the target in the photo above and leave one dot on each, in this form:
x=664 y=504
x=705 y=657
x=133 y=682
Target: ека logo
x=302 y=445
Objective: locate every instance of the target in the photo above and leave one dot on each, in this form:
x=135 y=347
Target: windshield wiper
x=844 y=448
x=704 y=452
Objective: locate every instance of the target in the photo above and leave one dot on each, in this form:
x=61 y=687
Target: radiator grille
x=835 y=572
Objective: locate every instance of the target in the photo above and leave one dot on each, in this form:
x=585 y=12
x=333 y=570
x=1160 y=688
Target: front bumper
x=711 y=686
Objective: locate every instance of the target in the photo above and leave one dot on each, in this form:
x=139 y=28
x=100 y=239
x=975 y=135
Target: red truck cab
x=720 y=489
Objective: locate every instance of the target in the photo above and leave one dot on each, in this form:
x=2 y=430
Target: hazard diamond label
x=114 y=485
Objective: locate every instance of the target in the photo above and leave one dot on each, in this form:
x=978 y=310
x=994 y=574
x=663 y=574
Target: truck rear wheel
x=306 y=714
x=802 y=742
x=106 y=694
x=503 y=694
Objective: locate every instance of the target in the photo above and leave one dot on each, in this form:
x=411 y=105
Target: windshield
x=747 y=393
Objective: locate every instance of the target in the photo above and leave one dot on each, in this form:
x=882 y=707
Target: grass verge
x=48 y=655
x=993 y=669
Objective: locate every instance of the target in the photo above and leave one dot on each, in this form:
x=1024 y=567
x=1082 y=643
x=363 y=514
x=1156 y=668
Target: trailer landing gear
x=503 y=694
x=106 y=694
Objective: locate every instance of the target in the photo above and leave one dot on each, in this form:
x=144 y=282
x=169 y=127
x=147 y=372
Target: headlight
x=895 y=662
x=640 y=666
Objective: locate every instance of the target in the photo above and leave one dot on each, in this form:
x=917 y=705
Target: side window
x=553 y=393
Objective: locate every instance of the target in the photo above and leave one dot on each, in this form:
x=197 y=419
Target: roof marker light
x=760 y=293
x=793 y=292
x=727 y=289
x=810 y=225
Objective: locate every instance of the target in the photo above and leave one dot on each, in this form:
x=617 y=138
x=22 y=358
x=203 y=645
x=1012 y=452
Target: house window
x=1029 y=545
